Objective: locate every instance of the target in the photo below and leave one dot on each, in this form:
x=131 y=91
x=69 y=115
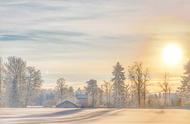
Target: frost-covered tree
x=18 y=83
x=166 y=88
x=15 y=74
x=1 y=81
x=64 y=92
x=92 y=91
x=139 y=78
x=100 y=93
x=47 y=98
x=127 y=94
x=184 y=89
x=70 y=93
x=0 y=78
x=118 y=85
x=61 y=89
x=33 y=84
x=107 y=87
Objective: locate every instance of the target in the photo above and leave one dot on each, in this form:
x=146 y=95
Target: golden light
x=172 y=54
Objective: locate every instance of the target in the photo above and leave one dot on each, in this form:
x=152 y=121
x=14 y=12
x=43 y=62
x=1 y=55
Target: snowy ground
x=93 y=116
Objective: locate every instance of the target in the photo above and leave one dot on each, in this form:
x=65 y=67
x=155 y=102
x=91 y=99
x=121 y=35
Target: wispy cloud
x=67 y=34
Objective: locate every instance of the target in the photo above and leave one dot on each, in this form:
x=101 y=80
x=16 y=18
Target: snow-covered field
x=93 y=116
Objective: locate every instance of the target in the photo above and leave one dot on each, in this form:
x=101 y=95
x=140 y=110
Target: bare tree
x=92 y=90
x=70 y=93
x=127 y=93
x=0 y=77
x=33 y=83
x=15 y=68
x=61 y=88
x=18 y=82
x=1 y=81
x=166 y=88
x=107 y=86
x=139 y=78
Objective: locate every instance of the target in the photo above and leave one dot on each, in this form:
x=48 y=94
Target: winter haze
x=94 y=61
x=63 y=37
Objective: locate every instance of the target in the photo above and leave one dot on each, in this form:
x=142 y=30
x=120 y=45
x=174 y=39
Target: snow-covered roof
x=66 y=104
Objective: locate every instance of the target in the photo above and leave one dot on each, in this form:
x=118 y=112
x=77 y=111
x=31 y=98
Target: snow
x=93 y=116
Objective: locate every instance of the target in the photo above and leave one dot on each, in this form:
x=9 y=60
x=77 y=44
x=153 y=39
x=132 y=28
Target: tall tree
x=166 y=88
x=107 y=86
x=100 y=96
x=139 y=78
x=33 y=83
x=127 y=93
x=0 y=78
x=15 y=68
x=1 y=81
x=184 y=89
x=61 y=89
x=118 y=85
x=92 y=90
x=70 y=94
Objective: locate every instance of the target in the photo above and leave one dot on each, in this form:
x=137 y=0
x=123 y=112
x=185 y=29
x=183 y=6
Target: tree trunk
x=139 y=97
x=165 y=99
x=144 y=95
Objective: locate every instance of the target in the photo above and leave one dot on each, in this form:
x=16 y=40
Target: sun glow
x=172 y=54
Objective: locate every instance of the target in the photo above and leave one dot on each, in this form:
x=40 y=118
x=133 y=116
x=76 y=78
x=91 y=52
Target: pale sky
x=83 y=39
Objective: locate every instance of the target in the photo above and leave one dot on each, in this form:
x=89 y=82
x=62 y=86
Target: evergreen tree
x=184 y=89
x=118 y=85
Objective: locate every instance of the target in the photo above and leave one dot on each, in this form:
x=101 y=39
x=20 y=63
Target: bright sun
x=172 y=54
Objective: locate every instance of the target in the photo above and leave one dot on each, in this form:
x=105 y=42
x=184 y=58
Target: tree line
x=131 y=89
x=20 y=86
